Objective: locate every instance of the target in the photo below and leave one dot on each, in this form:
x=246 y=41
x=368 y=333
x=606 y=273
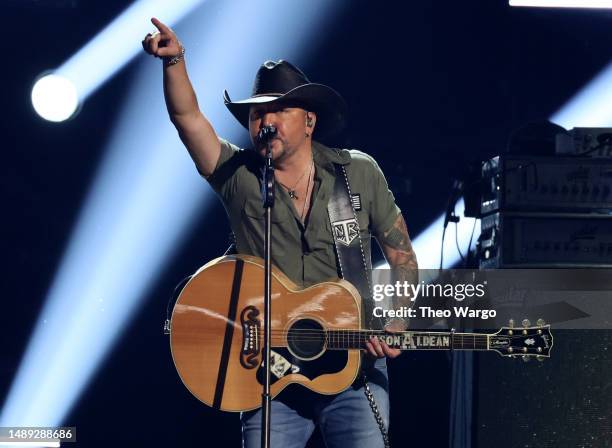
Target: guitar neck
x=408 y=340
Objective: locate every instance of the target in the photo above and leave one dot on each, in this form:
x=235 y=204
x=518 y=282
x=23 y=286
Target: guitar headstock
x=526 y=341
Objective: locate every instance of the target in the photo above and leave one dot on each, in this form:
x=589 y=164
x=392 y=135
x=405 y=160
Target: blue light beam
x=119 y=42
x=591 y=107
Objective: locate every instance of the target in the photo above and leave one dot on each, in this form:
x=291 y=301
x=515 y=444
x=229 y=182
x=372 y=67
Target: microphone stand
x=267 y=191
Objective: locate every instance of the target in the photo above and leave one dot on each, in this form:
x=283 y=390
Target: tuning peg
x=526 y=323
x=511 y=323
x=525 y=358
x=540 y=322
x=540 y=358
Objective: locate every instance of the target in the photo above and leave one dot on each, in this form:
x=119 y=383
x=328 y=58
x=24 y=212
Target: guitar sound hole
x=306 y=339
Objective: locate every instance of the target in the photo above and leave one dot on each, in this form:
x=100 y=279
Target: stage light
x=54 y=97
x=144 y=200
x=563 y=3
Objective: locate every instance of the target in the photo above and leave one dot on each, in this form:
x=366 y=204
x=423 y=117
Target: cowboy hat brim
x=325 y=102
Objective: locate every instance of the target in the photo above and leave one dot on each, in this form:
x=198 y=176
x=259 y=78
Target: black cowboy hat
x=283 y=82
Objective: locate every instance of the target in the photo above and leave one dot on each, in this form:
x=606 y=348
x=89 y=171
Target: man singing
x=303 y=244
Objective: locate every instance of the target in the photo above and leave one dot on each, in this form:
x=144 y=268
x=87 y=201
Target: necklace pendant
x=292 y=194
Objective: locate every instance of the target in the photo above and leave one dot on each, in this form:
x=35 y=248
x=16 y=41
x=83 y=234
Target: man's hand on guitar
x=378 y=349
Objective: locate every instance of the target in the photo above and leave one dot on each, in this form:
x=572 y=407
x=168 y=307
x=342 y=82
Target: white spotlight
x=54 y=98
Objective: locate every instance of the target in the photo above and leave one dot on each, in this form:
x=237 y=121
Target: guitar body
x=217 y=332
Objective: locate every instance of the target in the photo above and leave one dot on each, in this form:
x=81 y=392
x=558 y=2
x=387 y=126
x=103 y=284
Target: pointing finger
x=161 y=27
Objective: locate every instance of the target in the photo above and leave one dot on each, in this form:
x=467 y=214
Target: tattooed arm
x=398 y=251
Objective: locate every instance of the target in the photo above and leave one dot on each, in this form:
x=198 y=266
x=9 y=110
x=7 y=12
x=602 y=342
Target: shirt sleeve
x=223 y=178
x=382 y=209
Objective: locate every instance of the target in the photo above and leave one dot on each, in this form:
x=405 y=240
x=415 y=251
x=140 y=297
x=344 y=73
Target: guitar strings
x=345 y=337
x=280 y=339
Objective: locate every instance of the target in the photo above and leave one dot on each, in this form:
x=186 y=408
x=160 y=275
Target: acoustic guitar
x=216 y=335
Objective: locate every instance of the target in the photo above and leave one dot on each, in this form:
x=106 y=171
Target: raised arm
x=195 y=131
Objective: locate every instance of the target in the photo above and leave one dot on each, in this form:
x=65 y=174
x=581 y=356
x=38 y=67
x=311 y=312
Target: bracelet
x=176 y=59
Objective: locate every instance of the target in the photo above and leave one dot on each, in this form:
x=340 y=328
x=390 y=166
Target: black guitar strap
x=354 y=263
x=355 y=266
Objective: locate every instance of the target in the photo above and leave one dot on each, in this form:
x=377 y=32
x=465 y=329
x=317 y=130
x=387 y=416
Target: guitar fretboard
x=407 y=340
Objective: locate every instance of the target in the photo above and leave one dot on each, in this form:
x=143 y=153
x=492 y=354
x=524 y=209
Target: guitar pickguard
x=284 y=363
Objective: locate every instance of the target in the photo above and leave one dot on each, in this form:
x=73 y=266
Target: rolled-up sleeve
x=382 y=209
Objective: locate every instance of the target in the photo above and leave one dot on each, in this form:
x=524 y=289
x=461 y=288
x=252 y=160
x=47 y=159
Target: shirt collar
x=326 y=157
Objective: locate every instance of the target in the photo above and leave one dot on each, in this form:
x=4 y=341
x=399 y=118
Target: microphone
x=266 y=134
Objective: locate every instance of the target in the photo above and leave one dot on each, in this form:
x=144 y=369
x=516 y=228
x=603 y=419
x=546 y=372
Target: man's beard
x=279 y=153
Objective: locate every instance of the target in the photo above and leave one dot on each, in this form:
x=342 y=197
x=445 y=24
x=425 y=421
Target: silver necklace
x=307 y=190
x=292 y=191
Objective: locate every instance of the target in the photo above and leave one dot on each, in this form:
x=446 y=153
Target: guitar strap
x=355 y=266
x=353 y=261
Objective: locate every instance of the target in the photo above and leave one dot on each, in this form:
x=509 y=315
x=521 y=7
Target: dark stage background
x=432 y=86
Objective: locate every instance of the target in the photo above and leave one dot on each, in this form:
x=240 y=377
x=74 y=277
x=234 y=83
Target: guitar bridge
x=250 y=337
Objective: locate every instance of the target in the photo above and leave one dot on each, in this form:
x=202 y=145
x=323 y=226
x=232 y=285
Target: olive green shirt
x=304 y=253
